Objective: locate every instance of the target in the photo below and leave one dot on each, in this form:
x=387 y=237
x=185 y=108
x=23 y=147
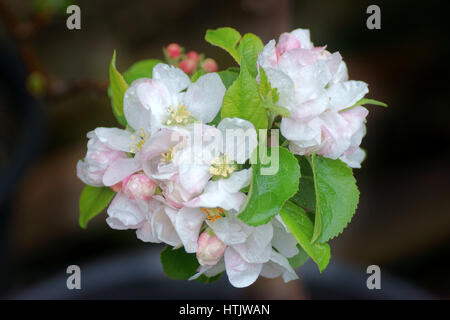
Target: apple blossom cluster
x=176 y=174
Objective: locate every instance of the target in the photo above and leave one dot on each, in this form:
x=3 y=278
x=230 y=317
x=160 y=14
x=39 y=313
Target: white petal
x=338 y=68
x=345 y=94
x=239 y=138
x=119 y=170
x=240 y=273
x=257 y=247
x=308 y=132
x=304 y=36
x=125 y=213
x=163 y=228
x=204 y=97
x=173 y=78
x=283 y=241
x=188 y=223
x=210 y=271
x=230 y=230
x=278 y=265
x=354 y=159
x=268 y=56
x=137 y=111
x=284 y=85
x=115 y=138
x=236 y=181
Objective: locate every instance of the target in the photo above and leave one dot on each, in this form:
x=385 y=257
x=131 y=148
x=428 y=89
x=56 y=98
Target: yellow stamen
x=138 y=140
x=220 y=167
x=178 y=116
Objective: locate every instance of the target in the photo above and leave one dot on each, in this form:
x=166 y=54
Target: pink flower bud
x=210 y=65
x=188 y=66
x=139 y=186
x=209 y=249
x=173 y=50
x=193 y=55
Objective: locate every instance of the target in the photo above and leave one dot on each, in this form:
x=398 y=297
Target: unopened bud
x=193 y=55
x=173 y=50
x=139 y=186
x=188 y=66
x=210 y=65
x=209 y=249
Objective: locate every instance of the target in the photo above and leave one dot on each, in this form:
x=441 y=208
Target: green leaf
x=302 y=228
x=118 y=86
x=242 y=100
x=229 y=76
x=336 y=197
x=177 y=264
x=249 y=48
x=299 y=259
x=269 y=192
x=92 y=201
x=225 y=38
x=306 y=195
x=141 y=69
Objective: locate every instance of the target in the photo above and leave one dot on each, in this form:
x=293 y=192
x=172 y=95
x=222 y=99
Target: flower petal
x=240 y=273
x=119 y=170
x=172 y=77
x=257 y=247
x=204 y=97
x=135 y=108
x=239 y=138
x=125 y=213
x=345 y=94
x=188 y=223
x=115 y=138
x=303 y=35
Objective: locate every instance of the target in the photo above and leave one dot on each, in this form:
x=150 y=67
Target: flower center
x=138 y=139
x=213 y=214
x=178 y=116
x=167 y=156
x=220 y=167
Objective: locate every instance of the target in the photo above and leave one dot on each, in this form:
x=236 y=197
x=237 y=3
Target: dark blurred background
x=53 y=91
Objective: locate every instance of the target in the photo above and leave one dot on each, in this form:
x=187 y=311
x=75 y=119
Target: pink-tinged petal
x=338 y=68
x=309 y=109
x=336 y=135
x=354 y=159
x=287 y=42
x=115 y=138
x=145 y=233
x=139 y=186
x=204 y=97
x=303 y=35
x=119 y=170
x=125 y=213
x=174 y=79
x=269 y=55
x=345 y=94
x=240 y=273
x=187 y=225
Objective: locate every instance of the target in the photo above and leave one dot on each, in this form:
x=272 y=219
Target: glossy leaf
x=302 y=228
x=269 y=192
x=118 y=86
x=92 y=201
